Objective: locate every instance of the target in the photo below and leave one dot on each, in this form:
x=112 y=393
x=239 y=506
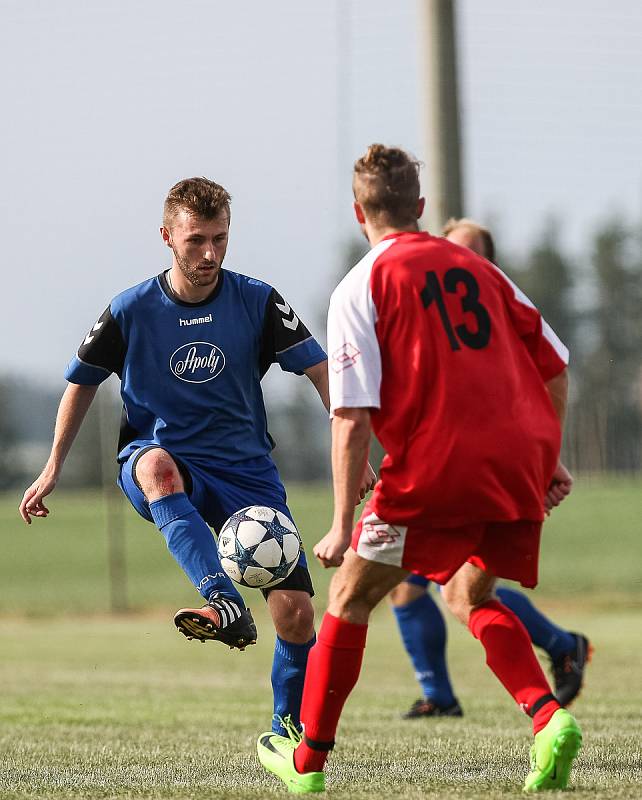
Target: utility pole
x=343 y=77
x=113 y=505
x=440 y=101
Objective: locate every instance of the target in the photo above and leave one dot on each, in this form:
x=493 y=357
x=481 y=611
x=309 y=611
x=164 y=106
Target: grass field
x=99 y=706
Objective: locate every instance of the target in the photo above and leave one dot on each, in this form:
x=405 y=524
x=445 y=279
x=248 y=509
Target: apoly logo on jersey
x=197 y=362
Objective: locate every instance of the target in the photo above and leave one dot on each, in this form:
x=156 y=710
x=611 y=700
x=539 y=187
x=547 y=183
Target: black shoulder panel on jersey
x=104 y=345
x=282 y=329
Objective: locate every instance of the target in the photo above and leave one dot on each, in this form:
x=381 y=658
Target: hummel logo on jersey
x=344 y=357
x=197 y=362
x=194 y=320
x=293 y=323
x=89 y=338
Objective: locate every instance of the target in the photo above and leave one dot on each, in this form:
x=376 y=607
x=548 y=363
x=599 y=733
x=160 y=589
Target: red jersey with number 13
x=451 y=358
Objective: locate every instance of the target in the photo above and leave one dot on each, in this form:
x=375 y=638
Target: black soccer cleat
x=221 y=620
x=568 y=670
x=425 y=707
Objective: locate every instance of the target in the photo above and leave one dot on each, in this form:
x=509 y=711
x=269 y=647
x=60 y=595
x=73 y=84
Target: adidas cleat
x=568 y=670
x=276 y=754
x=425 y=707
x=553 y=753
x=220 y=620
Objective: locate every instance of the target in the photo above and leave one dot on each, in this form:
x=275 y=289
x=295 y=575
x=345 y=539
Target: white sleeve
x=353 y=349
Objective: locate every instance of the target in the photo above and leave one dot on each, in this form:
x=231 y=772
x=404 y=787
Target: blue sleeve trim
x=85 y=374
x=301 y=356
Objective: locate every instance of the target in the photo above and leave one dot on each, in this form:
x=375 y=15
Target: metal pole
x=439 y=90
x=343 y=27
x=113 y=505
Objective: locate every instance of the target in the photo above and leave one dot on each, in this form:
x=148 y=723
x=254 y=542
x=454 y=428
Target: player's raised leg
x=333 y=670
x=423 y=633
x=154 y=484
x=509 y=654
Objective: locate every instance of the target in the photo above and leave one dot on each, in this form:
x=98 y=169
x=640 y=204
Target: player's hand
x=32 y=501
x=560 y=487
x=367 y=483
x=331 y=548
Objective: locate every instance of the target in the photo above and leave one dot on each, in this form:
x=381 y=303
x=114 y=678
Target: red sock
x=509 y=653
x=333 y=669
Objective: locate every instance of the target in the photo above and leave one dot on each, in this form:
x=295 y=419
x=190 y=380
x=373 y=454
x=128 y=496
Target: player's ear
x=165 y=235
x=421 y=205
x=358 y=212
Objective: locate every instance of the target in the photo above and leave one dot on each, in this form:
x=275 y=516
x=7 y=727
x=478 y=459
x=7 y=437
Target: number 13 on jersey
x=433 y=292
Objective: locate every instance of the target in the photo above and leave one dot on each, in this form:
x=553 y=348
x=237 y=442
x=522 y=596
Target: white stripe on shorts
x=382 y=542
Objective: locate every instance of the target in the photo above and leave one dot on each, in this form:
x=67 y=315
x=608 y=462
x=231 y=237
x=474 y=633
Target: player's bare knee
x=456 y=600
x=293 y=616
x=157 y=474
x=481 y=598
x=351 y=609
x=359 y=585
x=463 y=598
x=460 y=602
x=469 y=588
x=299 y=628
x=478 y=594
x=405 y=593
x=351 y=602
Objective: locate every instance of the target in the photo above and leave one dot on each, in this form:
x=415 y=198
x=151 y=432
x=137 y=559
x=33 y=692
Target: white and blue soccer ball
x=259 y=547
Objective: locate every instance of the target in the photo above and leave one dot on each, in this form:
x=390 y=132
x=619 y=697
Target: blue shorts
x=215 y=491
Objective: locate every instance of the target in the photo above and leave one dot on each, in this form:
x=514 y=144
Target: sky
x=108 y=105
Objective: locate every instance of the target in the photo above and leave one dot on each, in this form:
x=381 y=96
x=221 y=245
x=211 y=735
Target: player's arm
x=318 y=375
x=350 y=445
x=557 y=389
x=355 y=383
x=101 y=352
x=562 y=481
x=73 y=407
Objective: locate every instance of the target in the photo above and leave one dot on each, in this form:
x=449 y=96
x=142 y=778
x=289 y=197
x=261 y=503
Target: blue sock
x=192 y=544
x=288 y=674
x=555 y=641
x=423 y=633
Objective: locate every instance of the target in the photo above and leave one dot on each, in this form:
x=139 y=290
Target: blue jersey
x=190 y=372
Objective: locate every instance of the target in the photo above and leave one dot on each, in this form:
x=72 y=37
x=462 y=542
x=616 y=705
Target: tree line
x=595 y=306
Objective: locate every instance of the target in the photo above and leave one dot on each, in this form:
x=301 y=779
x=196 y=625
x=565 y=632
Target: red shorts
x=504 y=549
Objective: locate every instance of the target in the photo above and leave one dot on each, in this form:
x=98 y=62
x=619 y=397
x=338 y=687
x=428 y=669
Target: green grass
x=126 y=708
x=100 y=706
x=591 y=551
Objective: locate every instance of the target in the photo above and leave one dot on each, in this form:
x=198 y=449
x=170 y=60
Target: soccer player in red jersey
x=419 y=618
x=465 y=386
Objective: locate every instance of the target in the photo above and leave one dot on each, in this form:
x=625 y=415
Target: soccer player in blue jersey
x=421 y=623
x=190 y=347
